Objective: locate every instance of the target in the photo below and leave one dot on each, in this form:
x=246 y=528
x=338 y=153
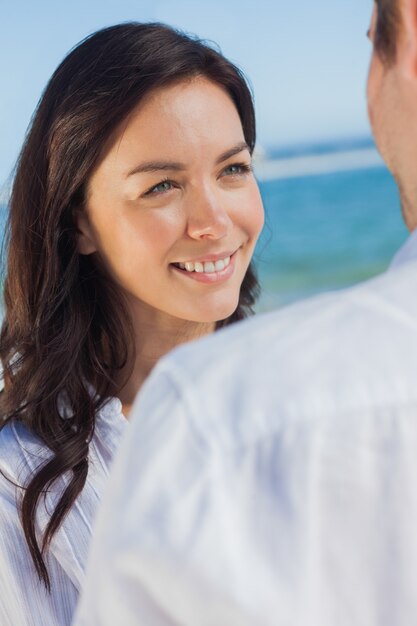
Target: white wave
x=314 y=165
x=4 y=193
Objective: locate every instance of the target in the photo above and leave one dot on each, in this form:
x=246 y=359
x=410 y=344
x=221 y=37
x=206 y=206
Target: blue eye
x=164 y=186
x=237 y=169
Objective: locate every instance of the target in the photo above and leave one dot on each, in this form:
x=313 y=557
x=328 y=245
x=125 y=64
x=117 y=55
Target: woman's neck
x=155 y=335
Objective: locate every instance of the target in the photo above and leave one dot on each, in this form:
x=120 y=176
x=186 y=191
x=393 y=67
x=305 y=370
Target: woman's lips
x=219 y=269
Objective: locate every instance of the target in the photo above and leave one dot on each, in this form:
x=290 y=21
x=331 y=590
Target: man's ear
x=407 y=37
x=85 y=237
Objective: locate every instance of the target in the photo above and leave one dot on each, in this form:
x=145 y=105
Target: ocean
x=333 y=219
x=326 y=232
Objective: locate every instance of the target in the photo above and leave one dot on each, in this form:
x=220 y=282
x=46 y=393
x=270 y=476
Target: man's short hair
x=388 y=19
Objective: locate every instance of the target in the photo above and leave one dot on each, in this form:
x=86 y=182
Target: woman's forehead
x=181 y=115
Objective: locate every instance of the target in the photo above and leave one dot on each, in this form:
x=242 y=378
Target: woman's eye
x=237 y=169
x=164 y=186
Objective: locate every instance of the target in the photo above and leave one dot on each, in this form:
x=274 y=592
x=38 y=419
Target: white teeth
x=208 y=268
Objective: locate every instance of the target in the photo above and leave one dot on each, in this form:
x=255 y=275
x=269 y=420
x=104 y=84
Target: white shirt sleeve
x=154 y=515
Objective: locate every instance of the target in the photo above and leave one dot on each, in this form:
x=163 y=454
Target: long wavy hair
x=61 y=336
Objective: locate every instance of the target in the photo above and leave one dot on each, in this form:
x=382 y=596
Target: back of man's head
x=387 y=24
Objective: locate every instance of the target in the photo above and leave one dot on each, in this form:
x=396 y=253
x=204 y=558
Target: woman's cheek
x=254 y=214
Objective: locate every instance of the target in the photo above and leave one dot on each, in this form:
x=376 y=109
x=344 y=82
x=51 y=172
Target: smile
x=206 y=267
x=216 y=270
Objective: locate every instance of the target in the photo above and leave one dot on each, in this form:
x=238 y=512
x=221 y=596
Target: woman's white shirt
x=24 y=600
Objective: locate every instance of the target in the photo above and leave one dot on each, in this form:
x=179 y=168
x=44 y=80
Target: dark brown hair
x=61 y=333
x=386 y=32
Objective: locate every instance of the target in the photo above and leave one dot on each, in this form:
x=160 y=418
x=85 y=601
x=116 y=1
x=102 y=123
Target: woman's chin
x=215 y=313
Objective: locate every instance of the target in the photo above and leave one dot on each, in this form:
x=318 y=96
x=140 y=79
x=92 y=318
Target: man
x=270 y=474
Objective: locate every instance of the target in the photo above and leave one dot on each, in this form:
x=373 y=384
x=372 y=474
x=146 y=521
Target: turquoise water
x=326 y=232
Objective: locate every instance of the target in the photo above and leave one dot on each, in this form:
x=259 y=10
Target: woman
x=133 y=218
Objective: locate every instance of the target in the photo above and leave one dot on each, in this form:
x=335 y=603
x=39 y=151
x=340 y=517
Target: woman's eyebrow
x=161 y=166
x=240 y=147
x=157 y=166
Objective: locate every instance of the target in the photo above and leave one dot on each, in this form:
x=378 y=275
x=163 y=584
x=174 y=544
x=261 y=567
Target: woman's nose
x=208 y=218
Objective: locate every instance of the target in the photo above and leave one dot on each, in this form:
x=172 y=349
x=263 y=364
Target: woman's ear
x=85 y=237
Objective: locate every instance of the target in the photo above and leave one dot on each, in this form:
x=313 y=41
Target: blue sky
x=307 y=61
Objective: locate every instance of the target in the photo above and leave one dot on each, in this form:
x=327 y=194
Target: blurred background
x=333 y=215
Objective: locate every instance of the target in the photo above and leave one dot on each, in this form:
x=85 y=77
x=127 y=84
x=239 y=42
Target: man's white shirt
x=269 y=475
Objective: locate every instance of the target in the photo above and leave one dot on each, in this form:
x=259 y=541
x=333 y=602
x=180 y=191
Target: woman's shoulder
x=21 y=452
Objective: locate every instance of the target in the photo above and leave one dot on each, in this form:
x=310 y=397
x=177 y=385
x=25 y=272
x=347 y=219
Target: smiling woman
x=173 y=195
x=133 y=219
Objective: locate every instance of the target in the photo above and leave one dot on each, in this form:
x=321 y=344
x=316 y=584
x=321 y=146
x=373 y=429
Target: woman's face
x=173 y=208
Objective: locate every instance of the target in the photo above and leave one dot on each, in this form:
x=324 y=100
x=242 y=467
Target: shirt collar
x=407 y=253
